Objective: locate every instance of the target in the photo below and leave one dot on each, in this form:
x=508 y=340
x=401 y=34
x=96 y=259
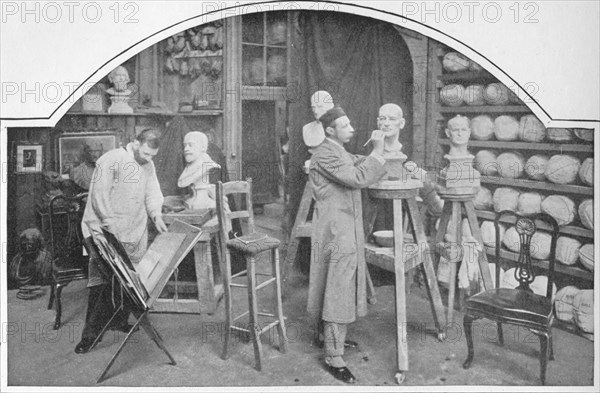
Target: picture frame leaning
x=30 y=158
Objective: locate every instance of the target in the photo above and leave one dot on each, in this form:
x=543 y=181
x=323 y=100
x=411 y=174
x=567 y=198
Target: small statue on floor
x=196 y=172
x=31 y=267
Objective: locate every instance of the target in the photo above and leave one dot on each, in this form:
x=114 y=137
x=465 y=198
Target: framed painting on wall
x=75 y=149
x=30 y=158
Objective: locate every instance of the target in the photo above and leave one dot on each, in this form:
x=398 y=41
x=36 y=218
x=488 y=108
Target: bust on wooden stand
x=457 y=185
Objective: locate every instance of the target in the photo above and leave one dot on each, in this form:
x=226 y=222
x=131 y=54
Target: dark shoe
x=341 y=373
x=347 y=344
x=84 y=346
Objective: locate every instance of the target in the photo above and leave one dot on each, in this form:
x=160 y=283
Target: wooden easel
x=303 y=229
x=394 y=259
x=453 y=210
x=142 y=296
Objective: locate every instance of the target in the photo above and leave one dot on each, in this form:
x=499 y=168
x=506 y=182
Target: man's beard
x=138 y=158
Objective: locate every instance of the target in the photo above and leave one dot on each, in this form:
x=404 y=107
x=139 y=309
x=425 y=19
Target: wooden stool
x=250 y=246
x=453 y=206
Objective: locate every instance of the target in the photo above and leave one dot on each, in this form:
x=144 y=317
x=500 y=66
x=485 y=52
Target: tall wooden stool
x=453 y=210
x=250 y=246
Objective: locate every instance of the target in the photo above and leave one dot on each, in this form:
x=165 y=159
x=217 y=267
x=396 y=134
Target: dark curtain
x=363 y=63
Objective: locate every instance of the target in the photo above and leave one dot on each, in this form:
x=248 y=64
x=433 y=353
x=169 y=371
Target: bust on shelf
x=119 y=93
x=459 y=176
x=196 y=172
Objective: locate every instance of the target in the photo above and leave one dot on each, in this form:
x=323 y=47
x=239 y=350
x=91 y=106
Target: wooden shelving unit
x=438 y=116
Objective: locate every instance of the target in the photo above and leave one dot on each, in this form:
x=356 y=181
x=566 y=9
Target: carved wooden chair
x=69 y=262
x=519 y=306
x=248 y=245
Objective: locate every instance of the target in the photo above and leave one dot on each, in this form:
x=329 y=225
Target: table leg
x=435 y=299
x=402 y=346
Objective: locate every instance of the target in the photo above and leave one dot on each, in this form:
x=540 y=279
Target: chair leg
x=543 y=357
x=226 y=273
x=551 y=344
x=57 y=321
x=52 y=295
x=253 y=312
x=500 y=334
x=281 y=326
x=468 y=326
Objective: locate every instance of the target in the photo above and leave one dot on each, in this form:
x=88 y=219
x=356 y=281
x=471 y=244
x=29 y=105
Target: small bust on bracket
x=459 y=176
x=196 y=172
x=119 y=93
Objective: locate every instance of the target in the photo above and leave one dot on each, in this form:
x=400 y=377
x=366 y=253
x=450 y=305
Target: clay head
x=320 y=102
x=390 y=120
x=119 y=77
x=458 y=130
x=195 y=143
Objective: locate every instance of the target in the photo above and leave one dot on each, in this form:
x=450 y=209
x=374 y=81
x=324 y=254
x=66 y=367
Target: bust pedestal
x=200 y=199
x=119 y=103
x=459 y=177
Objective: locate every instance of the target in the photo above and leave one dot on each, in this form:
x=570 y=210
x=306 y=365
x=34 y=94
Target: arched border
x=387 y=16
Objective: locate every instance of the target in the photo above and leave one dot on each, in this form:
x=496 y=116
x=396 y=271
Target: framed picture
x=74 y=149
x=30 y=158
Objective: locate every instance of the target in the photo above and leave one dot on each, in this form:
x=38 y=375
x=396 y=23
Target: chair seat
x=253 y=243
x=512 y=305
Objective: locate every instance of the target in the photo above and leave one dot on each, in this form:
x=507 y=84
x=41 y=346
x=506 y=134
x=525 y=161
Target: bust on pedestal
x=459 y=176
x=196 y=172
x=119 y=93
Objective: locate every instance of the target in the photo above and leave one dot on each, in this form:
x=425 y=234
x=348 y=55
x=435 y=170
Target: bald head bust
x=196 y=172
x=458 y=130
x=391 y=121
x=313 y=133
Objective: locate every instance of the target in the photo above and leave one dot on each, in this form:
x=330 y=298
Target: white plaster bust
x=458 y=130
x=119 y=93
x=313 y=133
x=196 y=172
x=391 y=121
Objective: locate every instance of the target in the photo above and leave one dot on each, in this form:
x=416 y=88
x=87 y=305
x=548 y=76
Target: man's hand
x=377 y=139
x=160 y=224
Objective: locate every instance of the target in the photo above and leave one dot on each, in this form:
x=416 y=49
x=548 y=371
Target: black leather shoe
x=341 y=373
x=84 y=346
x=347 y=344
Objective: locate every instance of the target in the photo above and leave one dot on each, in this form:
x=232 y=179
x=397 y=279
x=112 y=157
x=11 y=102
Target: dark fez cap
x=331 y=115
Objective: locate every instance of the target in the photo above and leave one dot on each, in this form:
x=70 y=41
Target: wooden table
x=395 y=260
x=210 y=290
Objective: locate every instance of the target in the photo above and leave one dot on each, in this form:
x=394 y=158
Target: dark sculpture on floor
x=31 y=267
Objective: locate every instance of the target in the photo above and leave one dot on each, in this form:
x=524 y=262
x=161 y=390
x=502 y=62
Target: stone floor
x=40 y=356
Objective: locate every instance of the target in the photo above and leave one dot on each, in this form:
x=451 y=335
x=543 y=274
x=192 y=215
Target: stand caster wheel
x=441 y=336
x=400 y=377
x=372 y=300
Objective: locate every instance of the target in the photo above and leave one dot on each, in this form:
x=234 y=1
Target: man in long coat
x=337 y=283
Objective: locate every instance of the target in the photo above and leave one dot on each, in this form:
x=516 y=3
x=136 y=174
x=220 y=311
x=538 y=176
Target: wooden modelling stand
x=453 y=205
x=394 y=260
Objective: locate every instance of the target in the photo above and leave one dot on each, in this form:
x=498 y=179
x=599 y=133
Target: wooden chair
x=519 y=306
x=249 y=245
x=68 y=260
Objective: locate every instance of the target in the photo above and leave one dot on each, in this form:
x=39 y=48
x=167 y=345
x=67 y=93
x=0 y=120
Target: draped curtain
x=363 y=63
